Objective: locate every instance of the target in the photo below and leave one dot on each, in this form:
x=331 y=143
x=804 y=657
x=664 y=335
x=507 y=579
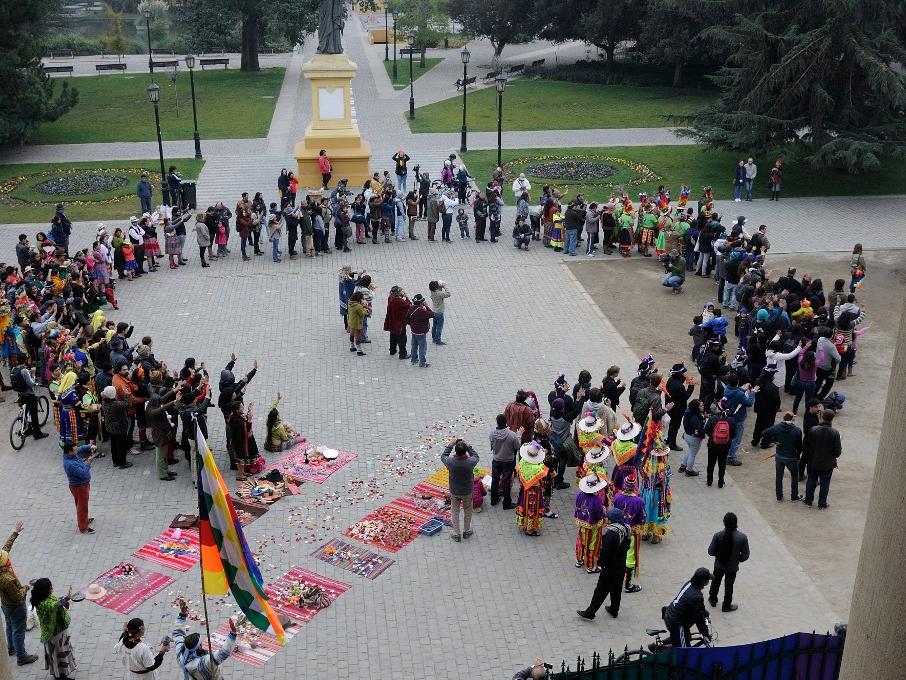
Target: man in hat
x=418 y=319
x=459 y=468
x=679 y=390
x=633 y=509
x=61 y=228
x=590 y=520
x=12 y=598
x=646 y=368
x=615 y=545
x=194 y=661
x=688 y=608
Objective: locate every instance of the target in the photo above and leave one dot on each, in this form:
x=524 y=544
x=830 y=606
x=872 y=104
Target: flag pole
x=204 y=600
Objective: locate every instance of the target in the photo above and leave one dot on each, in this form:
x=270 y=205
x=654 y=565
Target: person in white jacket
x=521 y=185
x=135 y=654
x=774 y=353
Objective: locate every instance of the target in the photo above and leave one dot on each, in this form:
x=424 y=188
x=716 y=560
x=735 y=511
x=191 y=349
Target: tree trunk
x=498 y=47
x=610 y=49
x=249 y=42
x=678 y=73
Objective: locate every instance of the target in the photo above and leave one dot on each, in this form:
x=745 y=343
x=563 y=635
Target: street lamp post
x=394 y=14
x=386 y=37
x=147 y=13
x=190 y=63
x=154 y=95
x=500 y=82
x=410 y=38
x=465 y=74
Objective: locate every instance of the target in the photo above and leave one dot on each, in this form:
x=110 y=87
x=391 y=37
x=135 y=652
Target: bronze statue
x=330 y=26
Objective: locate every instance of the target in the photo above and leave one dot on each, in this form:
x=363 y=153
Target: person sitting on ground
x=522 y=233
x=280 y=434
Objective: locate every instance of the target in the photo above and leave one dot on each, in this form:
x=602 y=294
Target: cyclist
x=23 y=381
x=687 y=608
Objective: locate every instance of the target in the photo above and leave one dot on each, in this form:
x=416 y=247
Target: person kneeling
x=522 y=233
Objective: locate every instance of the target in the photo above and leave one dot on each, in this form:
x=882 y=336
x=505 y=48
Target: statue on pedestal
x=331 y=18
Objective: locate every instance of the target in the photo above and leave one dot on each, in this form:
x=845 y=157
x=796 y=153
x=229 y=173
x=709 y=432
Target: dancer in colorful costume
x=531 y=470
x=633 y=509
x=590 y=522
x=655 y=468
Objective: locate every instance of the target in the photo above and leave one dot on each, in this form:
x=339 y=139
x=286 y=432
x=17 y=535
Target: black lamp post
x=154 y=95
x=465 y=65
x=386 y=37
x=410 y=38
x=147 y=13
x=190 y=63
x=500 y=82
x=394 y=14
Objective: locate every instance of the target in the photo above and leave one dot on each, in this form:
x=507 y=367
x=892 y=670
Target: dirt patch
x=652 y=320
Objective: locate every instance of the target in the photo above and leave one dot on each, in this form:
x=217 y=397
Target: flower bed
x=77 y=186
x=580 y=172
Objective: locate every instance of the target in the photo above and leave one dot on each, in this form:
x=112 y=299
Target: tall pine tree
x=27 y=95
x=824 y=75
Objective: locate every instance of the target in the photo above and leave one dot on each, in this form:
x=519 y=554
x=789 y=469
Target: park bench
x=221 y=51
x=518 y=68
x=56 y=54
x=266 y=50
x=166 y=63
x=469 y=81
x=171 y=52
x=58 y=69
x=110 y=67
x=490 y=75
x=538 y=63
x=225 y=62
x=420 y=51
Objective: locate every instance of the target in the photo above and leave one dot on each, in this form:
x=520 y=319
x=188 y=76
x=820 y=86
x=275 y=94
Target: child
x=743 y=326
x=707 y=312
x=355 y=322
x=463 y=221
x=221 y=240
x=478 y=490
x=129 y=259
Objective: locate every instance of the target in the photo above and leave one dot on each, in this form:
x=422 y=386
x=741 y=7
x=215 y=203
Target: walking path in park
x=486 y=606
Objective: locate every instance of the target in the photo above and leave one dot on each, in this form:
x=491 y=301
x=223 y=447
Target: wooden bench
x=166 y=63
x=56 y=54
x=538 y=63
x=58 y=69
x=266 y=50
x=469 y=81
x=110 y=67
x=225 y=62
x=491 y=75
x=518 y=68
x=420 y=51
x=221 y=51
x=170 y=52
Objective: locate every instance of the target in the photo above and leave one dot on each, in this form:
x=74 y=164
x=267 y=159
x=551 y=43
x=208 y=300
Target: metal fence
x=800 y=656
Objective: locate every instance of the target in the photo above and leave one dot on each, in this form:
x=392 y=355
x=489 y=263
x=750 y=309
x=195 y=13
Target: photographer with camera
x=675 y=268
x=460 y=466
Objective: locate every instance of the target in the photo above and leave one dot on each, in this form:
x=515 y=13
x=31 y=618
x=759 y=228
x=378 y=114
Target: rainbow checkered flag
x=226 y=561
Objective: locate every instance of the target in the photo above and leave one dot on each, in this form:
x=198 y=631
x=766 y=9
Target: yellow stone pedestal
x=332 y=128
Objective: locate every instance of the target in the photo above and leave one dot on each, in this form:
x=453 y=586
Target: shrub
x=79 y=44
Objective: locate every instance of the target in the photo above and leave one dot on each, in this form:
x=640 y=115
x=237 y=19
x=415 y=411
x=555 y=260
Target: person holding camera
x=439 y=293
x=136 y=655
x=675 y=270
x=460 y=466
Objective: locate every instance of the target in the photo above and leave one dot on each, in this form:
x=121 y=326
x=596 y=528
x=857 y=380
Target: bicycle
x=20 y=428
x=660 y=644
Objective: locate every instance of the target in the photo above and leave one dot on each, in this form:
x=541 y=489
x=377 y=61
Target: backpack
x=17 y=381
x=720 y=435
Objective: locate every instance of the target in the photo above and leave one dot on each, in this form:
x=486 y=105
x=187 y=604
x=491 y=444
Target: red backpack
x=720 y=435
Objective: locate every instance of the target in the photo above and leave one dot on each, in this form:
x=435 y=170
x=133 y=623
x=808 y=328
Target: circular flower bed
x=581 y=172
x=81 y=183
x=79 y=186
x=571 y=170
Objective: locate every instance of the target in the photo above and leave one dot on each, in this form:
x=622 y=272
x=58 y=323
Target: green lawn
x=674 y=166
x=21 y=203
x=115 y=108
x=402 y=70
x=557 y=105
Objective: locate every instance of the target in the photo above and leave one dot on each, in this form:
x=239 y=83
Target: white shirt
x=449 y=204
x=521 y=186
x=138 y=658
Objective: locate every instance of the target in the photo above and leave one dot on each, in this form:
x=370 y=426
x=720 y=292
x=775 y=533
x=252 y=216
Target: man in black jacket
x=728 y=547
x=230 y=392
x=709 y=366
x=614 y=546
x=687 y=608
x=679 y=392
x=767 y=404
x=822 y=449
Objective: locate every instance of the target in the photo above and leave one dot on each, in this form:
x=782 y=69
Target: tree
x=116 y=42
x=823 y=75
x=503 y=22
x=683 y=42
x=427 y=19
x=210 y=20
x=28 y=96
x=603 y=23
